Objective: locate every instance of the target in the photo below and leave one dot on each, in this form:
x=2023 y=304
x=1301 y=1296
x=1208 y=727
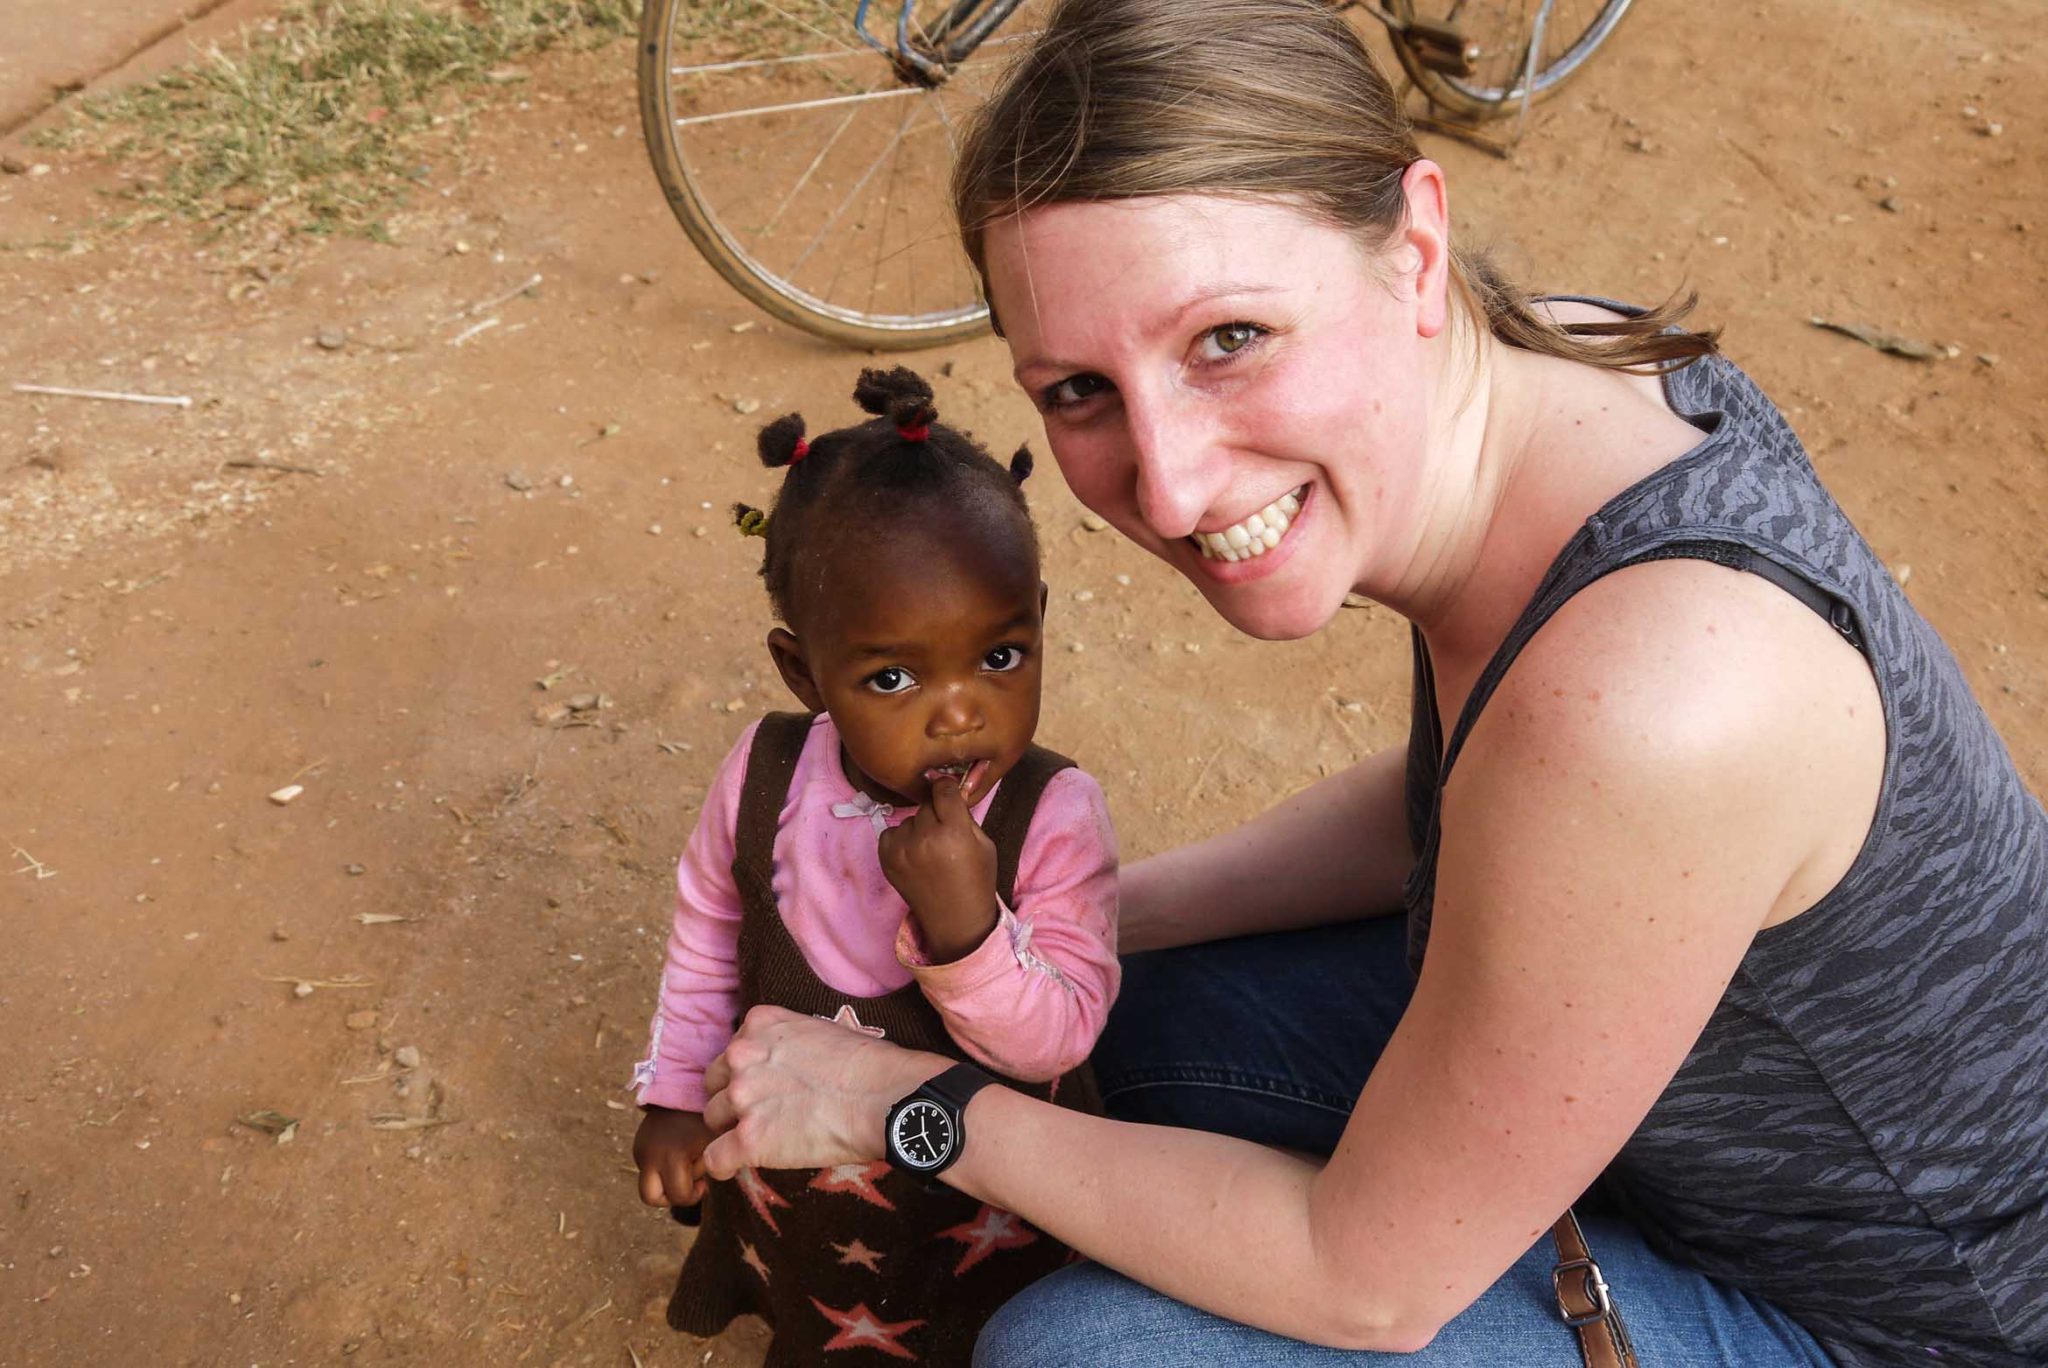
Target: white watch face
x=922 y=1134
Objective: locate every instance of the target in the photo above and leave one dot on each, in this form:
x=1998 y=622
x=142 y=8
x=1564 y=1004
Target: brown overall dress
x=858 y=1264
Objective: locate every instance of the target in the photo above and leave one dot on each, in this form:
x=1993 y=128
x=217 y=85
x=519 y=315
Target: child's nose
x=958 y=713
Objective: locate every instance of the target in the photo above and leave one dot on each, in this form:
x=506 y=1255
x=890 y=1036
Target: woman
x=1716 y=880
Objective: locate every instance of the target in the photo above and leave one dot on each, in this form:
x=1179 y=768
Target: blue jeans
x=1271 y=1038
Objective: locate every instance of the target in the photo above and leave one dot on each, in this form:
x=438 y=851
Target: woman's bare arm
x=1609 y=855
x=1336 y=851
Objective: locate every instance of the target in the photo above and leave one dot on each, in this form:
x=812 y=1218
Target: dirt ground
x=478 y=900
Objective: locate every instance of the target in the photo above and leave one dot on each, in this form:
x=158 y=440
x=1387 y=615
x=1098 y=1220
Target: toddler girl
x=900 y=857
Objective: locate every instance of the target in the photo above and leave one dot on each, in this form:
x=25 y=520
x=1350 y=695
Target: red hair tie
x=803 y=449
x=915 y=434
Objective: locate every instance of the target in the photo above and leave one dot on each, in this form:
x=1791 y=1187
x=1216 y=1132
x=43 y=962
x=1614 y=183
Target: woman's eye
x=894 y=679
x=1003 y=659
x=1075 y=389
x=1230 y=339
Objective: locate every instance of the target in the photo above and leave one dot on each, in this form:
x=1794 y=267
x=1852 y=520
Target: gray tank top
x=1860 y=1135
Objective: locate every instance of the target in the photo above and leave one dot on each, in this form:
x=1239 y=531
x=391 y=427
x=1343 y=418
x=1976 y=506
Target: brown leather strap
x=1583 y=1300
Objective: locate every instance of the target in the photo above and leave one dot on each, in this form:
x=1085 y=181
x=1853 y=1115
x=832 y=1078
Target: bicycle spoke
x=752 y=62
x=827 y=102
x=809 y=171
x=858 y=186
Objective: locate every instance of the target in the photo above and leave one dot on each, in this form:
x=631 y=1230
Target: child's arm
x=1029 y=997
x=699 y=1000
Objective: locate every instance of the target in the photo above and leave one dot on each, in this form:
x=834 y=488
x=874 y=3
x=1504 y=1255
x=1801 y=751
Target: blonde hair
x=1120 y=99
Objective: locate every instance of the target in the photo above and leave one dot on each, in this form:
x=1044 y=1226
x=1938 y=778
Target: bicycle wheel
x=811 y=169
x=1501 y=30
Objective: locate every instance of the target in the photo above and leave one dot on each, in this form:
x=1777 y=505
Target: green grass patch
x=319 y=121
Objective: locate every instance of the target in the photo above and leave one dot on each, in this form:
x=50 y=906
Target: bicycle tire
x=1495 y=90
x=712 y=189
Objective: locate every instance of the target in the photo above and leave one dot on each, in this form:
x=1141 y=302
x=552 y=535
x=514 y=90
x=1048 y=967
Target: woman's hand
x=793 y=1091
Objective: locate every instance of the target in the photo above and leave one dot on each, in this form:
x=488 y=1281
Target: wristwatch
x=925 y=1131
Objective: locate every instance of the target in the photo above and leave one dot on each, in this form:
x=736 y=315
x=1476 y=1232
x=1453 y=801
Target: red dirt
x=182 y=638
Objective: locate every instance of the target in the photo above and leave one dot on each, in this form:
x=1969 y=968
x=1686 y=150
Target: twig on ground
x=472 y=331
x=487 y=305
x=115 y=396
x=269 y=465
x=34 y=866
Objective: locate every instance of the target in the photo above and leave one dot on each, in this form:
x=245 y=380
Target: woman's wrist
x=902 y=1073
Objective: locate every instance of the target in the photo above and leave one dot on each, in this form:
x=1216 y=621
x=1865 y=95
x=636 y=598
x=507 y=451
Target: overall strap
x=771 y=764
x=1008 y=819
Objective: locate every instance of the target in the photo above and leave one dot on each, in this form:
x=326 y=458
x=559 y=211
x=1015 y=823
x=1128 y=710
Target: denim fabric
x=1271 y=1038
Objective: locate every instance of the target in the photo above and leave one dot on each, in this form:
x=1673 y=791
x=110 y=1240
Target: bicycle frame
x=949 y=42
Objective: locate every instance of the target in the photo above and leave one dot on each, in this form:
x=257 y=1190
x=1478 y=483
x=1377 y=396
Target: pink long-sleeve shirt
x=1028 y=1001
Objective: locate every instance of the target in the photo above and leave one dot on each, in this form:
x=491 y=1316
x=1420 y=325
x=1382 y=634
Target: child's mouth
x=968 y=773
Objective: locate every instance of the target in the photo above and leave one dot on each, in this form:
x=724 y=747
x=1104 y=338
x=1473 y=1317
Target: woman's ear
x=1427 y=236
x=788 y=654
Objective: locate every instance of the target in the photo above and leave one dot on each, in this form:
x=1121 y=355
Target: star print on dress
x=847 y=1017
x=859 y=1329
x=993 y=1229
x=760 y=1196
x=858 y=1253
x=751 y=1257
x=858 y=1179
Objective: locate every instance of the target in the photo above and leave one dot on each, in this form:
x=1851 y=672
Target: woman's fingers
x=722 y=1156
x=718 y=1077
x=721 y=1114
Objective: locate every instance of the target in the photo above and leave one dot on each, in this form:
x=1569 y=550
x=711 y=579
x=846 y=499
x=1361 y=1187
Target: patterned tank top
x=1860 y=1135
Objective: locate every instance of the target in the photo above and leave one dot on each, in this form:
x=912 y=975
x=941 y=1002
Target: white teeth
x=1256 y=535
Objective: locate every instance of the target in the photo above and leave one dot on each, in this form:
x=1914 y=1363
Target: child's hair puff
x=895 y=466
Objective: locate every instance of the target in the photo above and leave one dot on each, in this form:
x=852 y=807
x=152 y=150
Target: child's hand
x=669 y=1148
x=944 y=865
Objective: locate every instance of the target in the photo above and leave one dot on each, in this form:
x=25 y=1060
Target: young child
x=904 y=859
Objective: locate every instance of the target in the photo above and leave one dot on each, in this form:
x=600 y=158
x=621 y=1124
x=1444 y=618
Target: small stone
x=700 y=531
x=566 y=481
x=654 y=529
x=1987 y=358
x=1084 y=595
x=745 y=405
x=1192 y=647
x=1124 y=580
x=516 y=481
x=13 y=166
x=1076 y=647
x=407 y=1056
x=744 y=325
x=585 y=702
x=354 y=871
x=1969 y=111
x=1890 y=204
x=279 y=934
x=40 y=169
x=331 y=339
x=1093 y=522
x=1903 y=575
x=56 y=1251
x=461 y=247
x=365 y=1020
x=1992 y=130
x=302 y=990
x=285 y=795
x=733 y=705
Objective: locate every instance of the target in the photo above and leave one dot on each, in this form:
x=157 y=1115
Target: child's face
x=927 y=656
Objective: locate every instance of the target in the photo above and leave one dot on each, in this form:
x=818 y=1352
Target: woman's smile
x=1255 y=535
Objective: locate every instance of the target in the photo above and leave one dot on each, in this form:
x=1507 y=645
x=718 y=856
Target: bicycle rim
x=809 y=171
x=1573 y=30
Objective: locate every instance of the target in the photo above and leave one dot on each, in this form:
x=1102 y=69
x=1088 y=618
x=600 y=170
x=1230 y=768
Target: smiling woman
x=1716 y=887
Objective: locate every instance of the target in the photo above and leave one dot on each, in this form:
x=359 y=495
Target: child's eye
x=1222 y=343
x=1003 y=659
x=1075 y=389
x=891 y=679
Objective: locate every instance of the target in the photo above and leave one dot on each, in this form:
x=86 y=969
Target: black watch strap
x=957 y=1085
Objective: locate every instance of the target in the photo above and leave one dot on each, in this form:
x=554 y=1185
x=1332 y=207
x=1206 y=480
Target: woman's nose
x=1175 y=458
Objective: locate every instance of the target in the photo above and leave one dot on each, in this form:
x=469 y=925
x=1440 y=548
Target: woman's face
x=1238 y=388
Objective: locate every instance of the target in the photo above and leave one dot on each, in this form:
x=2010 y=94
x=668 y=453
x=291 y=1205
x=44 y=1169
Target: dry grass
x=320 y=120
